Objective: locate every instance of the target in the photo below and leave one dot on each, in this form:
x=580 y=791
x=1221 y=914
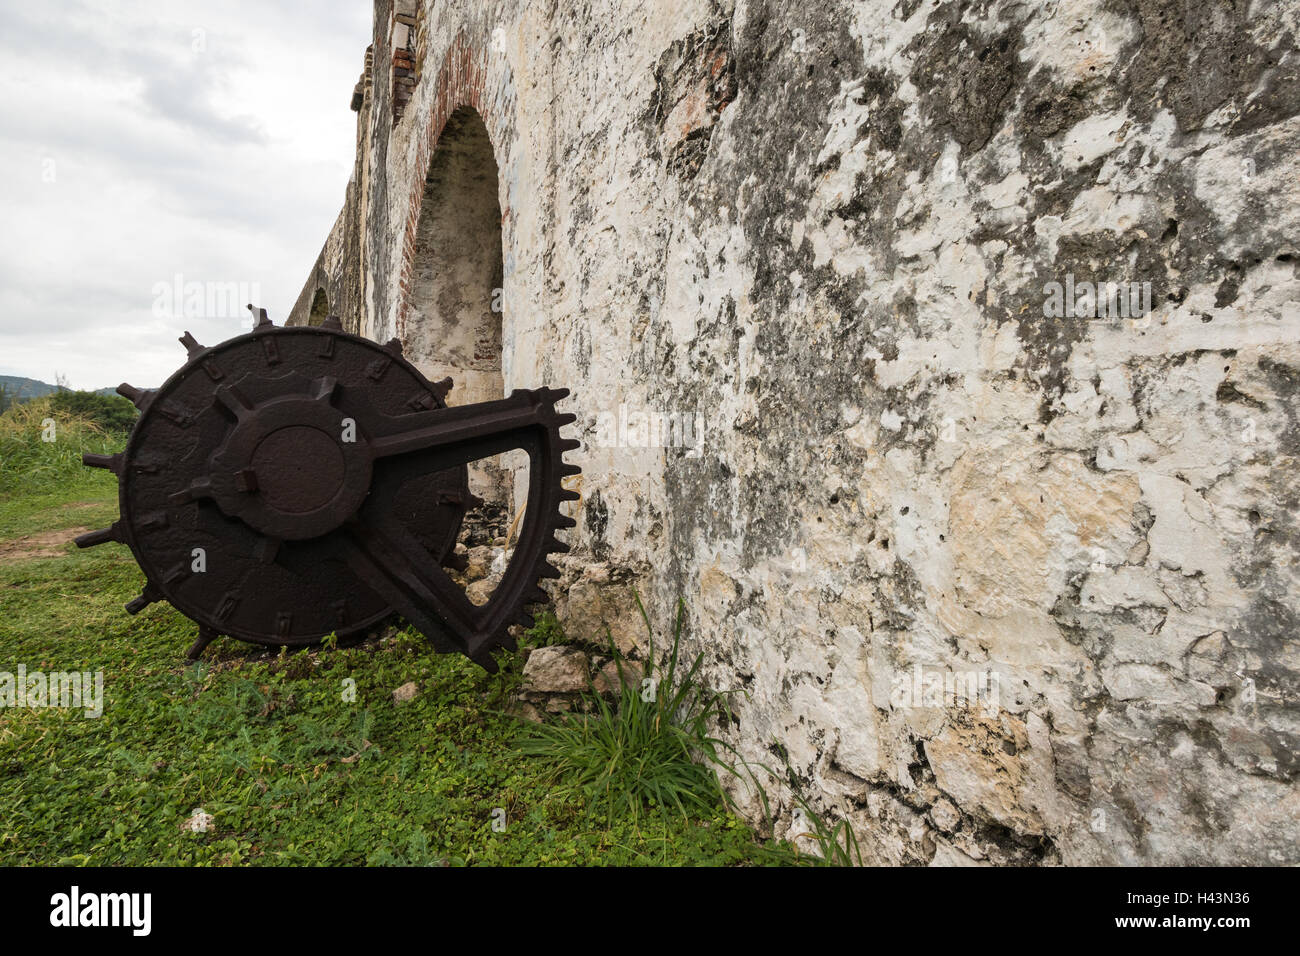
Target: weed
x=652 y=747
x=41 y=446
x=546 y=630
x=836 y=844
x=416 y=851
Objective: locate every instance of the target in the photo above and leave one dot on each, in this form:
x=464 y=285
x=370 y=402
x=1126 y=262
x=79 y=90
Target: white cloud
x=143 y=140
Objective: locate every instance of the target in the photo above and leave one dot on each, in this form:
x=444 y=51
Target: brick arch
x=453 y=254
x=454 y=316
x=463 y=80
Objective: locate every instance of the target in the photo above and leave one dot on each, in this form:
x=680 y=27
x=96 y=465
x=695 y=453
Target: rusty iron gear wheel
x=293 y=483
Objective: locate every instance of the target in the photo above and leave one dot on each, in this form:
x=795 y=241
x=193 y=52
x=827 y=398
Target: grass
x=651 y=748
x=299 y=758
x=837 y=845
x=654 y=748
x=41 y=448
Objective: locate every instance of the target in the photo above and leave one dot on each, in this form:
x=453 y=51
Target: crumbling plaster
x=827 y=228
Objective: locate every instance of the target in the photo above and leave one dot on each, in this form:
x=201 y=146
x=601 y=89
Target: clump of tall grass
x=837 y=845
x=41 y=446
x=652 y=746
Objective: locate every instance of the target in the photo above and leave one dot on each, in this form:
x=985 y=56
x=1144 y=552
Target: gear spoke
x=465 y=433
x=394 y=564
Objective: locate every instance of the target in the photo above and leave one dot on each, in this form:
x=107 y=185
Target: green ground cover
x=292 y=758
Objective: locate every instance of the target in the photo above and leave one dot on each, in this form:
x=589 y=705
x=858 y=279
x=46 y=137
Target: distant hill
x=24 y=388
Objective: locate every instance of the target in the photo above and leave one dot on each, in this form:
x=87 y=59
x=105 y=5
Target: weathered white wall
x=828 y=229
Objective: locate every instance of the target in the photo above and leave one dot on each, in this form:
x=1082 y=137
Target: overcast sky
x=140 y=141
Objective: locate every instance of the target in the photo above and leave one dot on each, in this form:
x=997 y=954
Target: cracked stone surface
x=830 y=230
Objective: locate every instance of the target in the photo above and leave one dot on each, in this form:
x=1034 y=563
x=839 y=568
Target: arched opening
x=454 y=323
x=320 y=308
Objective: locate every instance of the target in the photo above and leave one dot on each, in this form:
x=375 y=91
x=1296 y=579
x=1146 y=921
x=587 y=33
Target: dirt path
x=43 y=544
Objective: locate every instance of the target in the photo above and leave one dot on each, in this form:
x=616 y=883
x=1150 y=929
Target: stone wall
x=1004 y=567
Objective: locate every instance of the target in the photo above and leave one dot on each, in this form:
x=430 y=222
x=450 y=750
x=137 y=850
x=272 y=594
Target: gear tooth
x=333 y=323
x=147 y=596
x=554 y=394
x=457 y=562
x=206 y=636
x=443 y=386
x=563 y=521
x=567 y=495
x=524 y=620
x=92 y=538
x=394 y=347
x=192 y=346
x=570 y=444
x=112 y=462
x=479 y=649
x=263 y=320
x=536 y=595
x=548 y=570
x=508 y=642
x=555 y=546
x=141 y=398
x=568 y=471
